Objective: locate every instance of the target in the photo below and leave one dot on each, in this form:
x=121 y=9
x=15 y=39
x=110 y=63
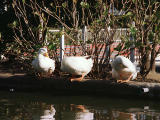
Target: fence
x=69 y=50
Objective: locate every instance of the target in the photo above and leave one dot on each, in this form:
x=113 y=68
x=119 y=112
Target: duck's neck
x=40 y=57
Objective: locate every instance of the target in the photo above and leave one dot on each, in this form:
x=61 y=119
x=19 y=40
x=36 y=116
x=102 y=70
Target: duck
x=43 y=64
x=123 y=69
x=77 y=66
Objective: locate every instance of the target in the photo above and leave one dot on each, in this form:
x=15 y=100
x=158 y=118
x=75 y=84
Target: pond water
x=36 y=106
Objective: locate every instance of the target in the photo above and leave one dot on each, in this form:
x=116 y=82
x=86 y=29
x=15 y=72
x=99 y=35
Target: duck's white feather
x=42 y=63
x=77 y=65
x=124 y=67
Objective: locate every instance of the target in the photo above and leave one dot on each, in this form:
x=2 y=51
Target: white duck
x=123 y=69
x=42 y=63
x=77 y=65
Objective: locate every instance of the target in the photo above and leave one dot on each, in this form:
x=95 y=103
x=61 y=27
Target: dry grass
x=154 y=76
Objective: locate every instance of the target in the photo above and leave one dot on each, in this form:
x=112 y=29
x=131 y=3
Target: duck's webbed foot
x=124 y=81
x=75 y=78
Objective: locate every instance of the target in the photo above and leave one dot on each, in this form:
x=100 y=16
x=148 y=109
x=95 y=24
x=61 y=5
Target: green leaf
x=105 y=12
x=98 y=21
x=129 y=14
x=64 y=4
x=23 y=1
x=36 y=47
x=158 y=14
x=133 y=1
x=156 y=28
x=133 y=30
x=52 y=46
x=13 y=25
x=84 y=4
x=97 y=5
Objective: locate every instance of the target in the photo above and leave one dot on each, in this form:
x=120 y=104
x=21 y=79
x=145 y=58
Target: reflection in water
x=83 y=113
x=48 y=114
x=20 y=106
x=123 y=116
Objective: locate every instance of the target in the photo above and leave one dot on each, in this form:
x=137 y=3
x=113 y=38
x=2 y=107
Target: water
x=32 y=106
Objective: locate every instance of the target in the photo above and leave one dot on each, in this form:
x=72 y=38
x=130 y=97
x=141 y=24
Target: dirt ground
x=10 y=69
x=151 y=77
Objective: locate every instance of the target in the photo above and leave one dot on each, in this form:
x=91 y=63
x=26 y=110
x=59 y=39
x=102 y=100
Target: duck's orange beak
x=46 y=54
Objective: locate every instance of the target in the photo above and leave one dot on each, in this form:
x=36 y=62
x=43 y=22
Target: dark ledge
x=62 y=86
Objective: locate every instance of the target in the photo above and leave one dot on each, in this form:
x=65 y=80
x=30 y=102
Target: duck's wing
x=76 y=64
x=35 y=63
x=51 y=64
x=115 y=74
x=47 y=63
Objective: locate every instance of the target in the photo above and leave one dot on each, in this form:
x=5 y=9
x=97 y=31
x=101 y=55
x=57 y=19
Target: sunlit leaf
x=133 y=1
x=84 y=4
x=23 y=1
x=13 y=25
x=143 y=23
x=36 y=13
x=98 y=21
x=51 y=4
x=64 y=4
x=156 y=28
x=13 y=5
x=129 y=14
x=133 y=31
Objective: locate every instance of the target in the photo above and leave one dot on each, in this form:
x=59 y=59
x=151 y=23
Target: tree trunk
x=153 y=56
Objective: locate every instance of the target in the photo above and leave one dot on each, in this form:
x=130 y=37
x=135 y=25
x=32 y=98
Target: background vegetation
x=25 y=24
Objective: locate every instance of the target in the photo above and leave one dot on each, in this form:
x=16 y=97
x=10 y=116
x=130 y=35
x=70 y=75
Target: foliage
x=145 y=15
x=102 y=18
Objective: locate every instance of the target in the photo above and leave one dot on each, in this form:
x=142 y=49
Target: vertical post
x=132 y=50
x=5 y=6
x=108 y=46
x=84 y=34
x=62 y=46
x=84 y=38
